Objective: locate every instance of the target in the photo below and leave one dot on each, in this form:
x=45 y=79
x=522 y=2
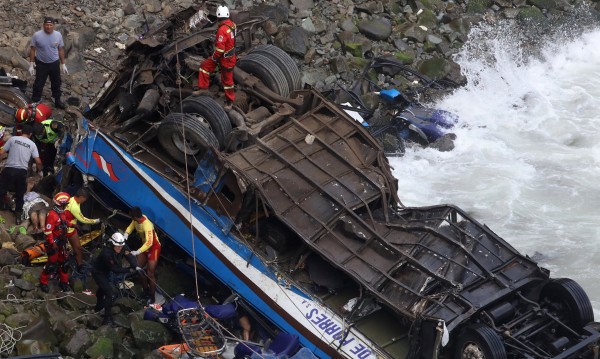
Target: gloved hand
x=51 y=248
x=125 y=235
x=139 y=269
x=63 y=67
x=32 y=68
x=135 y=253
x=97 y=220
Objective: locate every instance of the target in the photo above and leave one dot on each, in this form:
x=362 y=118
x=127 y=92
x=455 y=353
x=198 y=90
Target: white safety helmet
x=117 y=239
x=222 y=12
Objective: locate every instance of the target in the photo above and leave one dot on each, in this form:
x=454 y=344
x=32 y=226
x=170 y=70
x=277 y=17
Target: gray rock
x=9 y=55
x=23 y=284
x=129 y=9
x=293 y=40
x=83 y=37
x=308 y=25
x=149 y=335
x=19 y=320
x=8 y=256
x=76 y=344
x=376 y=29
x=303 y=4
x=348 y=25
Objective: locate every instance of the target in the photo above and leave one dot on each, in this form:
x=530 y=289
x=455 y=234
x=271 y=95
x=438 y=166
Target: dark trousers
x=47 y=156
x=14 y=179
x=43 y=70
x=104 y=295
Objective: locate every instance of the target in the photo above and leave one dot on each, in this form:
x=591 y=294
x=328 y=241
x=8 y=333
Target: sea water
x=527 y=154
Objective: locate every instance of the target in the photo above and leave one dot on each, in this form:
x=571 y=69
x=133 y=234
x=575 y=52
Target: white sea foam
x=527 y=155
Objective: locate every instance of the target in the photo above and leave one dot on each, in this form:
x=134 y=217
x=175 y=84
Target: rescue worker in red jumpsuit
x=57 y=222
x=224 y=56
x=32 y=113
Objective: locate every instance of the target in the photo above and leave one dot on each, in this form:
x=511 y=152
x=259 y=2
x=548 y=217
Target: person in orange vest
x=224 y=57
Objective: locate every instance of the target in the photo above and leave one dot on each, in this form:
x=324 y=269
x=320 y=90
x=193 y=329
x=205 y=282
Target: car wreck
x=291 y=203
x=397 y=118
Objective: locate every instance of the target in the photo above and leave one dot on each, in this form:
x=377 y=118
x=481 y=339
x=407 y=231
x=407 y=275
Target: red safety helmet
x=61 y=199
x=37 y=112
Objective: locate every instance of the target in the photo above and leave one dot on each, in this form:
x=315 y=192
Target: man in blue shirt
x=48 y=56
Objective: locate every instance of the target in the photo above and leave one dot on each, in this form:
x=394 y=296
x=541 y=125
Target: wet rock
x=444 y=143
x=149 y=335
x=378 y=29
x=531 y=13
x=435 y=68
x=102 y=348
x=543 y=4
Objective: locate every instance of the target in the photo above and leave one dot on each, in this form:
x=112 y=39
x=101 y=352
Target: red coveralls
x=224 y=56
x=56 y=232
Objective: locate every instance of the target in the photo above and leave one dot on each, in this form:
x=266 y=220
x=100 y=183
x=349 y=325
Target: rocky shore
x=329 y=40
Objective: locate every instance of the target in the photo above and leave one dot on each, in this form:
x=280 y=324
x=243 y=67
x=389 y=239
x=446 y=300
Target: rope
x=9 y=337
x=187 y=183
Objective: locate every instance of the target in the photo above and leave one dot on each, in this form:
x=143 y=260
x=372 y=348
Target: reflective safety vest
x=52 y=131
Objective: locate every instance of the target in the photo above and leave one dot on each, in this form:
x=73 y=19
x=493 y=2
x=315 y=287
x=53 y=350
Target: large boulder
x=149 y=335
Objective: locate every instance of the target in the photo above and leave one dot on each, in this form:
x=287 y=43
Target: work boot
x=64 y=287
x=44 y=288
x=58 y=104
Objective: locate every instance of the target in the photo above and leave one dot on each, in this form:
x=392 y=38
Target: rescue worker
x=148 y=253
x=57 y=222
x=109 y=261
x=74 y=207
x=32 y=113
x=223 y=56
x=47 y=133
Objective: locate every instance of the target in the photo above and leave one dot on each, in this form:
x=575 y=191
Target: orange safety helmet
x=61 y=199
x=33 y=112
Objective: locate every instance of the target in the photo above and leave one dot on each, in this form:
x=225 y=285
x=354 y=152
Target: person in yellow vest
x=74 y=207
x=148 y=253
x=47 y=133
